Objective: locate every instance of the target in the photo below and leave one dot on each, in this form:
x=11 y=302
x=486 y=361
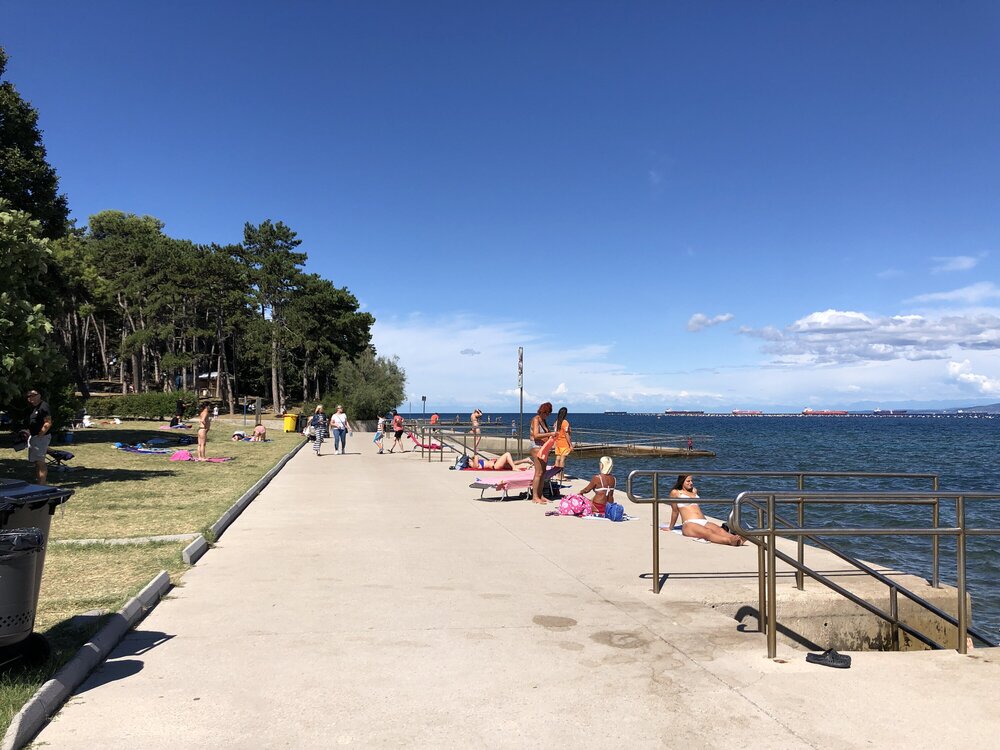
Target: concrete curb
x=193 y=552
x=50 y=696
x=240 y=505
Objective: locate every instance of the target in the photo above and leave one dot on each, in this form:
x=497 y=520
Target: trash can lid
x=16 y=494
x=21 y=540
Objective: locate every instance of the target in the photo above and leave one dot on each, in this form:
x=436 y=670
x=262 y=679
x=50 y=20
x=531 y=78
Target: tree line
x=120 y=300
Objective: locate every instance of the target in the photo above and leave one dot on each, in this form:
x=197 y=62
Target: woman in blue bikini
x=693 y=521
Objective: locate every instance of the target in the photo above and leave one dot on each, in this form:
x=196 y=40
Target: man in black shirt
x=39 y=425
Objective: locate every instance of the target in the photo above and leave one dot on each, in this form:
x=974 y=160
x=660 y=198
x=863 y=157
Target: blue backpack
x=614 y=512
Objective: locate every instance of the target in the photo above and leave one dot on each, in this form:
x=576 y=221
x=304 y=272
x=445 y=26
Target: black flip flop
x=830 y=658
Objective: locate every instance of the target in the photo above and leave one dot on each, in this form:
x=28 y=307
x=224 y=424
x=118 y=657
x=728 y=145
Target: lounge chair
x=518 y=482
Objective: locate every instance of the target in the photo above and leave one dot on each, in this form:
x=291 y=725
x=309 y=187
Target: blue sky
x=706 y=205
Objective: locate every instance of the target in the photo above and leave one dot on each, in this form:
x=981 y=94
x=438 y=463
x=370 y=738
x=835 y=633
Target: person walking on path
x=564 y=444
x=39 y=437
x=204 y=425
x=340 y=429
x=397 y=431
x=318 y=424
x=380 y=434
x=539 y=436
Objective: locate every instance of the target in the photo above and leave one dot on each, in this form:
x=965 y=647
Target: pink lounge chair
x=506 y=482
x=425 y=446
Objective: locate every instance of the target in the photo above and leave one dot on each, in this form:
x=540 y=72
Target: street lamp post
x=424 y=410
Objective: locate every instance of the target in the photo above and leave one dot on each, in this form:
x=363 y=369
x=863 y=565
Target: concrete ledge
x=240 y=505
x=50 y=696
x=193 y=552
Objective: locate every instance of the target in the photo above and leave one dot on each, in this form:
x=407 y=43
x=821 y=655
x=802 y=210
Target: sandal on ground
x=830 y=658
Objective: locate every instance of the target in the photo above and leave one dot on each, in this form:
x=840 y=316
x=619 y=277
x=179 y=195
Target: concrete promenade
x=374 y=601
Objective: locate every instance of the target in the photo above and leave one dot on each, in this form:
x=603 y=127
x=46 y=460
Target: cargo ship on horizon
x=747 y=413
x=823 y=413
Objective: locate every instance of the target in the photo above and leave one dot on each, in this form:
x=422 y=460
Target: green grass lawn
x=122 y=495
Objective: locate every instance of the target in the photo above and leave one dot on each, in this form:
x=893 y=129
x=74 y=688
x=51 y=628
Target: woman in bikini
x=204 y=425
x=505 y=462
x=539 y=436
x=694 y=523
x=474 y=418
x=604 y=484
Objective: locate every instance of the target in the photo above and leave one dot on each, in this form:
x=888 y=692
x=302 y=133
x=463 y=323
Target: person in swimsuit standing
x=694 y=523
x=604 y=484
x=564 y=445
x=204 y=425
x=539 y=435
x=474 y=418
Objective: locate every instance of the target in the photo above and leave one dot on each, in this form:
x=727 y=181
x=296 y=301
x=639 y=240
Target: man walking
x=39 y=426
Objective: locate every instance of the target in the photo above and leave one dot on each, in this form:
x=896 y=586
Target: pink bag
x=574 y=505
x=181 y=456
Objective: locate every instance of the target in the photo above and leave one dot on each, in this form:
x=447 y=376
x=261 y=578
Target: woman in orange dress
x=564 y=444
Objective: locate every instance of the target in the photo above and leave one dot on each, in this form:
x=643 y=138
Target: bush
x=142 y=405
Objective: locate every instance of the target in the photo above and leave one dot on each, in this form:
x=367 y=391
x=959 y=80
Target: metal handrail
x=768 y=534
x=799 y=476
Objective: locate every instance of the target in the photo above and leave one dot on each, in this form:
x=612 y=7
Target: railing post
x=772 y=585
x=761 y=573
x=963 y=624
x=656 y=533
x=935 y=559
x=894 y=611
x=800 y=578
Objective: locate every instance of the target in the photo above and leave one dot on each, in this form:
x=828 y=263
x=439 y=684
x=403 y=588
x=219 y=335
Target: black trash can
x=19 y=553
x=28 y=506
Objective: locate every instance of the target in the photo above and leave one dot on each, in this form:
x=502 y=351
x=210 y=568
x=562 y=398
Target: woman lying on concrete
x=694 y=523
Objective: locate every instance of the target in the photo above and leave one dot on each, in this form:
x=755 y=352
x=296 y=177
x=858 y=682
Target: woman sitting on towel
x=604 y=484
x=694 y=523
x=540 y=435
x=501 y=463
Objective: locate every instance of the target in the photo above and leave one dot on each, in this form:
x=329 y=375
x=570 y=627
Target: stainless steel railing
x=462 y=439
x=766 y=532
x=800 y=477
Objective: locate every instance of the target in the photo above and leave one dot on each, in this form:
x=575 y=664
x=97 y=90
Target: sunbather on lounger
x=694 y=523
x=501 y=463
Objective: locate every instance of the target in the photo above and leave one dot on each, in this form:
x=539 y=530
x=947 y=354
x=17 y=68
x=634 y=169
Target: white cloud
x=840 y=337
x=469 y=352
x=429 y=353
x=945 y=264
x=962 y=372
x=655 y=177
x=700 y=321
x=973 y=294
x=889 y=273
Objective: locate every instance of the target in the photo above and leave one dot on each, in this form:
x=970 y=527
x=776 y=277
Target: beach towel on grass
x=143 y=451
x=186 y=456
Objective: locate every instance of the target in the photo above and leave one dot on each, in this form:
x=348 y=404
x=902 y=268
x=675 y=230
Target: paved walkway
x=373 y=601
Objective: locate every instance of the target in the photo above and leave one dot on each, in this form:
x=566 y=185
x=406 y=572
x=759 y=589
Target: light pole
x=424 y=410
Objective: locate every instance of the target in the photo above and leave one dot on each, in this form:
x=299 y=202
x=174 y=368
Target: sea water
x=962 y=451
